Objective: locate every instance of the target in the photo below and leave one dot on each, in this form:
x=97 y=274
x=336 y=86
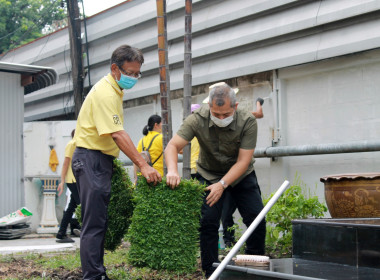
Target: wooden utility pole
x=164 y=74
x=75 y=53
x=187 y=82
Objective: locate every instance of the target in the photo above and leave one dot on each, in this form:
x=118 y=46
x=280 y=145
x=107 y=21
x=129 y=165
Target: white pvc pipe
x=249 y=231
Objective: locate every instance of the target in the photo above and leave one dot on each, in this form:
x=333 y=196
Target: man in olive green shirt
x=227 y=139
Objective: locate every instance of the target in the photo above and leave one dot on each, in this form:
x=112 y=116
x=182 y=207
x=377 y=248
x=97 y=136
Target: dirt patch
x=18 y=268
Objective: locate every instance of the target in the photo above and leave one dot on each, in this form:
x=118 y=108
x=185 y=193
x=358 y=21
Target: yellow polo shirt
x=69 y=151
x=155 y=150
x=101 y=114
x=194 y=155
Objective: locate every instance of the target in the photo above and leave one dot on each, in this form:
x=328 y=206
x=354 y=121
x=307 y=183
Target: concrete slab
x=36 y=244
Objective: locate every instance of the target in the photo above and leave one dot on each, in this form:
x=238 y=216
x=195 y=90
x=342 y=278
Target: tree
x=22 y=21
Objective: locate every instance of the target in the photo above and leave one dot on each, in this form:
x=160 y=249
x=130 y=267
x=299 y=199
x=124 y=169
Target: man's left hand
x=216 y=191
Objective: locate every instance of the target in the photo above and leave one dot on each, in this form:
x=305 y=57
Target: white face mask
x=222 y=122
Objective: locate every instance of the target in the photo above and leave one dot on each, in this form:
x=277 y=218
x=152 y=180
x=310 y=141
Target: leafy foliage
x=164 y=230
x=120 y=208
x=22 y=21
x=293 y=204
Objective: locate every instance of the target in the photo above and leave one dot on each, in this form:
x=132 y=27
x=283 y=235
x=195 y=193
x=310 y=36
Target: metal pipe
x=249 y=230
x=320 y=149
x=330 y=148
x=187 y=80
x=87 y=53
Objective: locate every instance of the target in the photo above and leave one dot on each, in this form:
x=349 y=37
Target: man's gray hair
x=220 y=94
x=126 y=53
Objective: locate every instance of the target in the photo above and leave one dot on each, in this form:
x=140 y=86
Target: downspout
x=186 y=171
x=87 y=54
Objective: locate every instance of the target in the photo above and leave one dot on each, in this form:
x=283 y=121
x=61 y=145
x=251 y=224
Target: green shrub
x=293 y=204
x=120 y=208
x=165 y=226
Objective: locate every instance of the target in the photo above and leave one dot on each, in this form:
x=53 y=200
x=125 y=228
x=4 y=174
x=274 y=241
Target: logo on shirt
x=116 y=119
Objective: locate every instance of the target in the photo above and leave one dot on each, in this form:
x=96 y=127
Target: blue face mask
x=126 y=82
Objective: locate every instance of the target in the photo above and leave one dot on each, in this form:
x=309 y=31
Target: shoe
x=75 y=232
x=63 y=239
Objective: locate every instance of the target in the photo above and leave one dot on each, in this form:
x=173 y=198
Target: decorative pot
x=353 y=195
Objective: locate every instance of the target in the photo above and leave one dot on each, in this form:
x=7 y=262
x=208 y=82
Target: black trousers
x=74 y=202
x=247 y=196
x=93 y=172
x=229 y=208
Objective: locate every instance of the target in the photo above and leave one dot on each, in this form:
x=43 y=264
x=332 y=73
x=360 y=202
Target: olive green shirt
x=219 y=146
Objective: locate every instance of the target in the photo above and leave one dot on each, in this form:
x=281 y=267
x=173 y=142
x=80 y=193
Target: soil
x=19 y=268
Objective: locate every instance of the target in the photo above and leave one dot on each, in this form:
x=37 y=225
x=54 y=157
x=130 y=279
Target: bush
x=120 y=208
x=291 y=205
x=165 y=226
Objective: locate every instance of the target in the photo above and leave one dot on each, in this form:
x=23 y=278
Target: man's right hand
x=172 y=179
x=151 y=174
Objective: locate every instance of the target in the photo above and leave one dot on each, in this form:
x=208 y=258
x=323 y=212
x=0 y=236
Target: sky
x=92 y=7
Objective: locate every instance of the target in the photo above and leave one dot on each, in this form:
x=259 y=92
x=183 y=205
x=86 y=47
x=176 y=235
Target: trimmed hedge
x=120 y=208
x=164 y=233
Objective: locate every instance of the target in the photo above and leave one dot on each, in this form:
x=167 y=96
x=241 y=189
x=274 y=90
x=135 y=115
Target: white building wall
x=332 y=101
x=325 y=53
x=11 y=144
x=38 y=136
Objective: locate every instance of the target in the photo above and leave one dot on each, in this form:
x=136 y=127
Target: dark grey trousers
x=93 y=171
x=247 y=196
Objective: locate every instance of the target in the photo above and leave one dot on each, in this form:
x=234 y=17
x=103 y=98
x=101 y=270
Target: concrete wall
x=331 y=101
x=38 y=136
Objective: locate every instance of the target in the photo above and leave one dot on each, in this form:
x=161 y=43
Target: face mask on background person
x=126 y=82
x=222 y=122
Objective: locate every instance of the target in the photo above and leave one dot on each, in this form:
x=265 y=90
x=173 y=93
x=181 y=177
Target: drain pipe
x=303 y=150
x=331 y=148
x=249 y=231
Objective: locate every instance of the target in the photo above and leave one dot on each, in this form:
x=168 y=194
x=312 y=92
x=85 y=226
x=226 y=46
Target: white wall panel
x=11 y=143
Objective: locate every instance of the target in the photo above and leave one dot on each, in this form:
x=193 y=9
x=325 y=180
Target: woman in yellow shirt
x=152 y=142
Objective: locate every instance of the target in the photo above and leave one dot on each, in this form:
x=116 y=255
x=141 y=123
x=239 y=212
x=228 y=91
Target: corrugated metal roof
x=42 y=76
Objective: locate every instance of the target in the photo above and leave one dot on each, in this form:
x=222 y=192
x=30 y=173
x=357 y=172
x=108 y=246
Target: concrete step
x=354 y=242
x=297 y=269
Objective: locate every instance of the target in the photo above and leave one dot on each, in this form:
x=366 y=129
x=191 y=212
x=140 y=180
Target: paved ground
x=36 y=243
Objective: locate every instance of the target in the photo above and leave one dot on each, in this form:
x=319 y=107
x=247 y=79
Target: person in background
x=229 y=206
x=152 y=141
x=227 y=138
x=194 y=151
x=68 y=177
x=99 y=137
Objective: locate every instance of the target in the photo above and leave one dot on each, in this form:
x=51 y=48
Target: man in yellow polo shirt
x=68 y=177
x=99 y=137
